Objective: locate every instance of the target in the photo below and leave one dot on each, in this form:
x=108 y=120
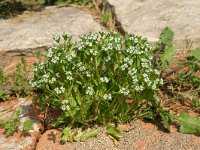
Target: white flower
x=157 y=72
x=104 y=49
x=52 y=80
x=95 y=53
x=57 y=90
x=139 y=88
x=55 y=59
x=32 y=83
x=88 y=74
x=91 y=51
x=124 y=66
x=73 y=54
x=104 y=79
x=130 y=50
x=124 y=91
x=134 y=79
x=82 y=68
x=65 y=107
x=90 y=91
x=70 y=78
x=107 y=96
x=35 y=69
x=149 y=83
x=145 y=75
x=57 y=74
x=154 y=86
x=128 y=60
x=145 y=65
x=108 y=58
x=50 y=52
x=62 y=89
x=79 y=64
x=69 y=58
x=146 y=79
x=68 y=73
x=65 y=101
x=161 y=81
x=132 y=71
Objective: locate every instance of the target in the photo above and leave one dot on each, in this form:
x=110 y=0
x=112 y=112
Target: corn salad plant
x=101 y=79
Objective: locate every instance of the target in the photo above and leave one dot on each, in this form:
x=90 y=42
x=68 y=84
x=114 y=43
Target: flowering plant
x=102 y=78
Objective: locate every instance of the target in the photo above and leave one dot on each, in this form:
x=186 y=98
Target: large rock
x=25 y=33
x=149 y=17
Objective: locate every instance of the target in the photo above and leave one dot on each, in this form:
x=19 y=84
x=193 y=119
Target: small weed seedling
x=11 y=124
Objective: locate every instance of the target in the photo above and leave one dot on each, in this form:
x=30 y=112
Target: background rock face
x=149 y=17
x=24 y=33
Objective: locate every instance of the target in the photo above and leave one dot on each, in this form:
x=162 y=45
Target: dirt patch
x=141 y=135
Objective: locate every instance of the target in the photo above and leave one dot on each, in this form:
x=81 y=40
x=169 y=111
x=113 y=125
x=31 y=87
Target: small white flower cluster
x=45 y=78
x=146 y=79
x=128 y=60
x=52 y=80
x=118 y=47
x=124 y=91
x=80 y=66
x=32 y=83
x=132 y=72
x=139 y=88
x=50 y=52
x=124 y=66
x=55 y=59
x=80 y=45
x=59 y=90
x=134 y=79
x=157 y=81
x=69 y=75
x=88 y=74
x=107 y=96
x=104 y=79
x=104 y=49
x=90 y=91
x=106 y=59
x=40 y=66
x=93 y=52
x=65 y=105
x=70 y=56
x=134 y=50
x=157 y=72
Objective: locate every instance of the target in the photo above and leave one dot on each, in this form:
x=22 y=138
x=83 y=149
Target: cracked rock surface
x=149 y=17
x=24 y=34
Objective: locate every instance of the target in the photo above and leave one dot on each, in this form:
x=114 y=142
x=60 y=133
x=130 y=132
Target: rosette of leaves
x=100 y=79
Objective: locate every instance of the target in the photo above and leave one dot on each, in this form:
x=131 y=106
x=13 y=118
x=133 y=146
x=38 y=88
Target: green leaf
x=2 y=123
x=168 y=54
x=187 y=123
x=166 y=36
x=89 y=135
x=27 y=125
x=41 y=2
x=66 y=134
x=147 y=94
x=87 y=52
x=114 y=132
x=195 y=53
x=166 y=120
x=106 y=17
x=77 y=135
